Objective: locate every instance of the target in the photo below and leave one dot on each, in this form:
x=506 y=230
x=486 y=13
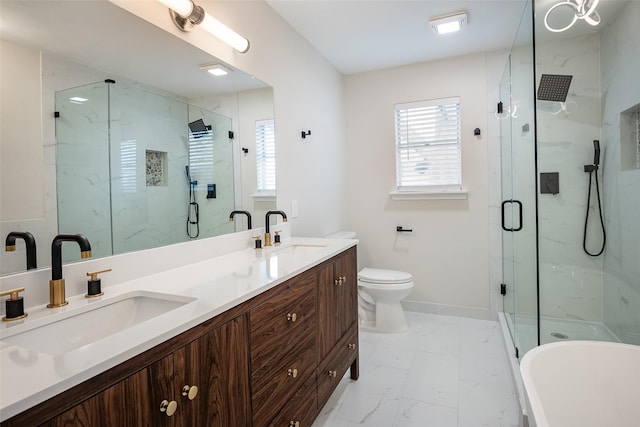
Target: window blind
x=266 y=155
x=201 y=157
x=428 y=145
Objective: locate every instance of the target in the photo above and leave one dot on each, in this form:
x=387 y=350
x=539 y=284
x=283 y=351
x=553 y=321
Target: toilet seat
x=380 y=276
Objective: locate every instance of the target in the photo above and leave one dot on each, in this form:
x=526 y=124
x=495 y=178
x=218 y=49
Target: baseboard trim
x=448 y=310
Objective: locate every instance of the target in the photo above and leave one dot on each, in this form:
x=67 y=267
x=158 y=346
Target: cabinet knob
x=292 y=317
x=344 y=279
x=352 y=346
x=168 y=408
x=294 y=423
x=190 y=391
x=338 y=281
x=333 y=374
x=292 y=372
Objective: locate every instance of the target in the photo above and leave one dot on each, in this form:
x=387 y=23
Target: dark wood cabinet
x=273 y=360
x=134 y=401
x=202 y=383
x=338 y=300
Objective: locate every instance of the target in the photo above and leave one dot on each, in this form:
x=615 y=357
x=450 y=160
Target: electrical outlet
x=294 y=209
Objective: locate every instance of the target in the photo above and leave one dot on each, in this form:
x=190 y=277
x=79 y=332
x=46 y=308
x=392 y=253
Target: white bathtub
x=582 y=384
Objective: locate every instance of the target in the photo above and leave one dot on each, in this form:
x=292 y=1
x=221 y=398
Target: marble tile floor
x=444 y=372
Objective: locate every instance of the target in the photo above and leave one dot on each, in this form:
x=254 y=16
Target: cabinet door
x=218 y=365
x=347 y=299
x=135 y=401
x=338 y=300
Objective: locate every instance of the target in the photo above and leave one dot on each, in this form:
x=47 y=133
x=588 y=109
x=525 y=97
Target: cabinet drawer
x=333 y=368
x=277 y=323
x=301 y=409
x=275 y=383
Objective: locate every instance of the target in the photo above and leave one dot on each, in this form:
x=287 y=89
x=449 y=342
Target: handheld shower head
x=596 y=152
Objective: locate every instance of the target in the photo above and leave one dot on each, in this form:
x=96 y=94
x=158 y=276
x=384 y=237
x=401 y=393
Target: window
x=428 y=146
x=201 y=156
x=266 y=156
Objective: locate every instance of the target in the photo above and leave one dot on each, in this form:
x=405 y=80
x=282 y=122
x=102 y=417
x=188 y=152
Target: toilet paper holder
x=401 y=229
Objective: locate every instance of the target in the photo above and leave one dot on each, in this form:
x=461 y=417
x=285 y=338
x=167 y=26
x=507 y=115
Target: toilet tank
x=342 y=235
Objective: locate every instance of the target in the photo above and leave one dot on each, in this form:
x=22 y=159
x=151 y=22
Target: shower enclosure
x=553 y=289
x=121 y=158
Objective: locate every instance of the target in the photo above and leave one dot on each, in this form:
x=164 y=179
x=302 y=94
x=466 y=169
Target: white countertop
x=30 y=377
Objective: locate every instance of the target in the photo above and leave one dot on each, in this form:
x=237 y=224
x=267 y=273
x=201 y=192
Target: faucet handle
x=94 y=285
x=258 y=240
x=94 y=275
x=276 y=237
x=14 y=305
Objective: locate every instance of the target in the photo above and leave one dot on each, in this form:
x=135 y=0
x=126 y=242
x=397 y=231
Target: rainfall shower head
x=554 y=87
x=198 y=128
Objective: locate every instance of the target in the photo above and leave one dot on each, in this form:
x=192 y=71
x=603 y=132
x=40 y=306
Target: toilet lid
x=379 y=275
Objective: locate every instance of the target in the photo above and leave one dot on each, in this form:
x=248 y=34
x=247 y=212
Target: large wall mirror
x=113 y=128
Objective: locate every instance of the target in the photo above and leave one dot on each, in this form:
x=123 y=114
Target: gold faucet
x=56 y=284
x=267 y=235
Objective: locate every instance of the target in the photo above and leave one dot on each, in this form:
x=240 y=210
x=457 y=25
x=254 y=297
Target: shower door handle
x=519 y=203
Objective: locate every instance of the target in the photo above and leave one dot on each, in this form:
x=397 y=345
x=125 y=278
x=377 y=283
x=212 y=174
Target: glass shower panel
x=519 y=190
x=149 y=152
x=508 y=300
x=211 y=165
x=82 y=167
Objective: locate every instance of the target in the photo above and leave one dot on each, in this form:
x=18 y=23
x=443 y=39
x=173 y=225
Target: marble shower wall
x=121 y=172
x=570 y=280
x=620 y=65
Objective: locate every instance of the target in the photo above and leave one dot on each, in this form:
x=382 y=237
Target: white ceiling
x=105 y=37
x=364 y=35
x=354 y=35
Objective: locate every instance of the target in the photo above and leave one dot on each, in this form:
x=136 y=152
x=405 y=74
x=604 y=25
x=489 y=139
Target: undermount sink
x=299 y=249
x=92 y=323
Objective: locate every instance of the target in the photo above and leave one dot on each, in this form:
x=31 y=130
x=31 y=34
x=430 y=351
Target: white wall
x=448 y=251
x=307 y=96
x=21 y=174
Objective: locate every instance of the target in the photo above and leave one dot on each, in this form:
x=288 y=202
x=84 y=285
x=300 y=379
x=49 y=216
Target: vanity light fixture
x=451 y=23
x=581 y=9
x=217 y=70
x=187 y=15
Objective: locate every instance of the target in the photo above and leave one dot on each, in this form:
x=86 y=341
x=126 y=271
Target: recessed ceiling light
x=449 y=23
x=216 y=69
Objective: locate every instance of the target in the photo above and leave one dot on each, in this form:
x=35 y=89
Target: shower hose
x=586 y=219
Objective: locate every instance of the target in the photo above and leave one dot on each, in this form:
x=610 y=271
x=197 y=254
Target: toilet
x=379 y=294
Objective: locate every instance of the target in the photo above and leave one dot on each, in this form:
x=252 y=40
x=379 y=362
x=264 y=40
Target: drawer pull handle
x=294 y=423
x=343 y=279
x=338 y=281
x=168 y=408
x=333 y=374
x=352 y=346
x=292 y=317
x=292 y=373
x=190 y=391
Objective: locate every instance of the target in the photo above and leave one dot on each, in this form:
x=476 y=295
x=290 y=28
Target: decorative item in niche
x=155 y=165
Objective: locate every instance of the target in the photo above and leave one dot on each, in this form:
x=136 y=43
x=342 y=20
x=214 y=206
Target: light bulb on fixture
x=582 y=9
x=187 y=15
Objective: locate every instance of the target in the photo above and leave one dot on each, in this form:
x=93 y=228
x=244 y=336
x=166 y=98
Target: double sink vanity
x=245 y=338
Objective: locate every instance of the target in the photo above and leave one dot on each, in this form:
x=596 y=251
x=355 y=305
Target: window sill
x=264 y=197
x=460 y=194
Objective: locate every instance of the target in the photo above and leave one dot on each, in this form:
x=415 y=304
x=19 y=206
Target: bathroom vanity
x=271 y=354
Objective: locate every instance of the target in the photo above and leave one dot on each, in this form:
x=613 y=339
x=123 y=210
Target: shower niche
x=155 y=162
x=121 y=153
x=630 y=139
